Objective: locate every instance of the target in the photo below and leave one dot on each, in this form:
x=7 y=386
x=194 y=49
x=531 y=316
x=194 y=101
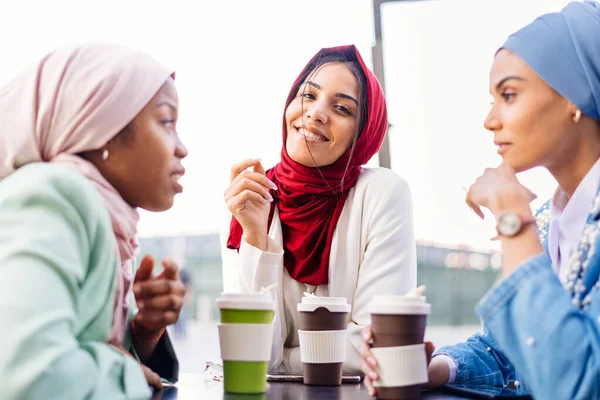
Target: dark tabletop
x=194 y=386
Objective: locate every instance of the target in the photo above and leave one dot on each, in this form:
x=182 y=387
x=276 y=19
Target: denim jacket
x=539 y=331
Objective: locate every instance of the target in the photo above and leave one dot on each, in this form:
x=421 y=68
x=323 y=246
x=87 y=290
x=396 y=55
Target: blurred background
x=235 y=62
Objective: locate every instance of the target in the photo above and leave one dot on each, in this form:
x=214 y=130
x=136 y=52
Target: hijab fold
x=76 y=99
x=308 y=208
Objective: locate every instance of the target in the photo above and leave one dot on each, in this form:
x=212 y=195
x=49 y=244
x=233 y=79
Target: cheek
x=345 y=135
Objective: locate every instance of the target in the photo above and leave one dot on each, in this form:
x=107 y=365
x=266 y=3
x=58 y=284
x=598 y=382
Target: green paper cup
x=246 y=337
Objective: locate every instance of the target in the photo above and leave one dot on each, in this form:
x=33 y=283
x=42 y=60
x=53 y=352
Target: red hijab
x=308 y=209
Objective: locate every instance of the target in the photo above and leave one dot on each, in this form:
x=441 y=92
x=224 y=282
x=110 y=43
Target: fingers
x=475 y=207
x=250 y=181
x=367 y=333
x=144 y=272
x=429 y=349
x=259 y=168
x=238 y=202
x=171 y=270
x=157 y=287
x=154 y=321
x=369 y=385
x=171 y=302
x=237 y=169
x=152 y=377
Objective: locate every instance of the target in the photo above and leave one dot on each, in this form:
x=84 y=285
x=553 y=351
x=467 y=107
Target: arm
x=555 y=345
x=53 y=334
x=478 y=362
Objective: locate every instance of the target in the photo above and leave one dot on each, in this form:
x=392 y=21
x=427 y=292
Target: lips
x=503 y=147
x=312 y=134
x=175 y=177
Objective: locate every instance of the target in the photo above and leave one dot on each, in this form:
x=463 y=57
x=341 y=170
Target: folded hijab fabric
x=308 y=209
x=563 y=48
x=76 y=99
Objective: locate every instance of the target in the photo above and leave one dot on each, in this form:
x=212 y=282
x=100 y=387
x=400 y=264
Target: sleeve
x=554 y=344
x=164 y=360
x=478 y=362
x=45 y=249
x=389 y=262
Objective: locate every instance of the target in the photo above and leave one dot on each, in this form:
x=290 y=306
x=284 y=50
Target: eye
x=344 y=109
x=508 y=96
x=307 y=95
x=169 y=124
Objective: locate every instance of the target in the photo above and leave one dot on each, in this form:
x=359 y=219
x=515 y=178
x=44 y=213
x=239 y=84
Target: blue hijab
x=563 y=48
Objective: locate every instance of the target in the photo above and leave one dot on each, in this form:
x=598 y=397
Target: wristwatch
x=510 y=224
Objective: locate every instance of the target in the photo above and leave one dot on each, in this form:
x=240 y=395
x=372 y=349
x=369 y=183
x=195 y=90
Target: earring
x=577 y=116
x=105 y=154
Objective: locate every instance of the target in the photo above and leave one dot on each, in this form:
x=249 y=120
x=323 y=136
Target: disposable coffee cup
x=245 y=338
x=398 y=325
x=323 y=338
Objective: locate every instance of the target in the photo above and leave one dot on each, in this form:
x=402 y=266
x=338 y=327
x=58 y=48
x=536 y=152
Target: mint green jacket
x=57 y=281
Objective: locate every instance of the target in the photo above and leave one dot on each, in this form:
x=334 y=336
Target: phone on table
x=300 y=378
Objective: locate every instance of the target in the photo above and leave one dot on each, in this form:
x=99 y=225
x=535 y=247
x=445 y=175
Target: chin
x=518 y=166
x=160 y=205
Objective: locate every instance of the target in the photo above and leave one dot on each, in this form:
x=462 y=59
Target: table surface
x=195 y=386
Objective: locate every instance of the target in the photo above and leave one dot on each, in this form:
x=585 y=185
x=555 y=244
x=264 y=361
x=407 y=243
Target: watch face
x=509 y=224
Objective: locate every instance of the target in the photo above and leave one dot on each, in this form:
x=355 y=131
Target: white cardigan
x=373 y=252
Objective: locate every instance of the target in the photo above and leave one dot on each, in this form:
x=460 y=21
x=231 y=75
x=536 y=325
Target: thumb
x=259 y=168
x=145 y=271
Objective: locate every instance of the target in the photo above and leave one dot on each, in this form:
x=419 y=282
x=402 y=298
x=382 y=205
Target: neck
x=569 y=171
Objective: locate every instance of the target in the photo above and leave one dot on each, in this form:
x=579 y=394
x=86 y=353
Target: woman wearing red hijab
x=319 y=222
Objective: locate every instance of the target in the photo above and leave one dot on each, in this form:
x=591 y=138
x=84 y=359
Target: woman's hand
x=498 y=189
x=159 y=299
x=436 y=370
x=249 y=201
x=151 y=377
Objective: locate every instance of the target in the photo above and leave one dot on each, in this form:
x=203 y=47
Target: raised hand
x=248 y=199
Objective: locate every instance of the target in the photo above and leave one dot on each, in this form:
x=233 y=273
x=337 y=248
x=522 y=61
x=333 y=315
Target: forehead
x=167 y=91
x=507 y=63
x=335 y=76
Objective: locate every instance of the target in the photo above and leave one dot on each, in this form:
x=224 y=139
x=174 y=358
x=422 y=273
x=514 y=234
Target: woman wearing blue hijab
x=542 y=320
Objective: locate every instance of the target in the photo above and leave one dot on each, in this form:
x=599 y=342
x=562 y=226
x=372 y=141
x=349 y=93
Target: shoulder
x=56 y=188
x=378 y=181
x=50 y=179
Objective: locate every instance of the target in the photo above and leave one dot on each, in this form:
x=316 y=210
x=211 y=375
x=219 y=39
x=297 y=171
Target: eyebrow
x=341 y=95
x=167 y=103
x=508 y=78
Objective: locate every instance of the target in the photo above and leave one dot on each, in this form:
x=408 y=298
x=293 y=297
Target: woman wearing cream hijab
x=87 y=135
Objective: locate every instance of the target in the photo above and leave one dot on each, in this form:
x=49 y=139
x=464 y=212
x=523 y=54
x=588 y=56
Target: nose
x=492 y=121
x=316 y=111
x=180 y=150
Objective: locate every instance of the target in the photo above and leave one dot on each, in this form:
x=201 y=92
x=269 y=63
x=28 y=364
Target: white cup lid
x=246 y=301
x=390 y=304
x=310 y=303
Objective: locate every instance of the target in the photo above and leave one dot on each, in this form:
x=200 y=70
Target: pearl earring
x=105 y=154
x=577 y=116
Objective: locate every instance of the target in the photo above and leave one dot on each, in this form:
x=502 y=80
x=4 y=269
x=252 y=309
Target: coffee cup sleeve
x=245 y=342
x=401 y=365
x=323 y=347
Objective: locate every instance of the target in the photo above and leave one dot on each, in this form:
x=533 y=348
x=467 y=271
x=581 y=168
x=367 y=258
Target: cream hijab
x=76 y=99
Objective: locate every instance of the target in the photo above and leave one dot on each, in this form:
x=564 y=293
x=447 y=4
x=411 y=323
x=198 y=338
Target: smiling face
x=144 y=161
x=532 y=124
x=322 y=119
